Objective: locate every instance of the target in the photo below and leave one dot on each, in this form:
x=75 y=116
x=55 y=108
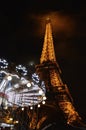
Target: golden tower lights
x=49 y=71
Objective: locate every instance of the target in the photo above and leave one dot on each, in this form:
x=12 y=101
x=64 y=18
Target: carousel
x=20 y=89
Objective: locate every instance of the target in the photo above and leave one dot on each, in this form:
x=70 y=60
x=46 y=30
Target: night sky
x=22 y=28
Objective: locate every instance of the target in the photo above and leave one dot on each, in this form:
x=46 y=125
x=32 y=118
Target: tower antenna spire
x=48 y=52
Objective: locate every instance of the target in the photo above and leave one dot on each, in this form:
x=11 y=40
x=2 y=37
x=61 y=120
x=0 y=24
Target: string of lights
x=17 y=91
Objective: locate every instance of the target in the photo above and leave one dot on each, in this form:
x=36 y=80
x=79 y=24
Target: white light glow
x=44 y=98
x=21 y=69
x=38 y=105
x=43 y=102
x=28 y=84
x=9 y=78
x=22 y=108
x=11 y=119
x=16 y=122
x=3 y=64
x=31 y=107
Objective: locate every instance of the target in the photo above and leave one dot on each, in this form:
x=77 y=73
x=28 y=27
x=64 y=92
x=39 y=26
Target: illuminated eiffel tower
x=49 y=71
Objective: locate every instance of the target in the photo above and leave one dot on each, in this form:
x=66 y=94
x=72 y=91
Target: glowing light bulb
x=43 y=102
x=44 y=98
x=28 y=84
x=11 y=119
x=31 y=107
x=16 y=122
x=9 y=78
x=38 y=105
x=22 y=108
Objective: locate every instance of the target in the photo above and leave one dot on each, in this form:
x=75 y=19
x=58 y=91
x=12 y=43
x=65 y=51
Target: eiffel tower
x=49 y=71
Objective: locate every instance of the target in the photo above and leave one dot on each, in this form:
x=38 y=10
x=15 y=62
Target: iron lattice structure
x=49 y=71
x=22 y=94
